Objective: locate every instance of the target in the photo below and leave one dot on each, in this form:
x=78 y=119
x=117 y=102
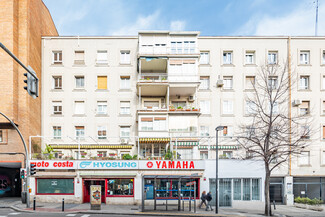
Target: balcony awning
x=220 y=147
x=186 y=143
x=154 y=140
x=91 y=146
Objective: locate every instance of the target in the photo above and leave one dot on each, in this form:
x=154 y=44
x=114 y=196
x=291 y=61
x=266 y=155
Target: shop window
x=55 y=186
x=256 y=189
x=120 y=187
x=237 y=189
x=246 y=189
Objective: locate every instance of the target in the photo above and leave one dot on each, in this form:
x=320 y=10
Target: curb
x=111 y=213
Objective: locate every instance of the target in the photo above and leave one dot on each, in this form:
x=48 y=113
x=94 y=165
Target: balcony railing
x=152 y=77
x=183 y=78
x=167 y=50
x=183 y=133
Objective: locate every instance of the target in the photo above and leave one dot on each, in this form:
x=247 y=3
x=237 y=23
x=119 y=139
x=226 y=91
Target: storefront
x=124 y=182
x=10 y=182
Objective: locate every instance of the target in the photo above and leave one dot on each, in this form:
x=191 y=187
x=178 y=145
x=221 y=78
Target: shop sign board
x=171 y=165
x=95 y=196
x=120 y=164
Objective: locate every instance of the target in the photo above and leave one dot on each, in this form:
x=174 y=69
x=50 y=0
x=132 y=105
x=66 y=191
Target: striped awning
x=220 y=147
x=91 y=146
x=183 y=143
x=154 y=140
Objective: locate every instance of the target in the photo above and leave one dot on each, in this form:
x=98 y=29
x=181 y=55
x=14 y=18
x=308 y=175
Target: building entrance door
x=276 y=190
x=86 y=189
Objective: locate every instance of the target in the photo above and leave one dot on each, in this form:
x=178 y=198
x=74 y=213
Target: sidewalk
x=281 y=210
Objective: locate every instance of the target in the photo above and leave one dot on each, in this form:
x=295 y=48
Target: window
x=246 y=189
x=125 y=107
x=1 y=136
x=176 y=47
x=80 y=82
x=324 y=132
x=237 y=189
x=57 y=57
x=304 y=108
x=227 y=57
x=250 y=57
x=205 y=58
x=178 y=104
x=227 y=131
x=102 y=82
x=323 y=57
x=305 y=132
x=323 y=82
x=57 y=132
x=250 y=108
x=304 y=57
x=275 y=108
x=204 y=155
x=304 y=82
x=205 y=106
x=125 y=132
x=55 y=186
x=273 y=82
x=125 y=82
x=125 y=57
x=227 y=107
x=249 y=82
x=79 y=107
x=57 y=82
x=323 y=108
x=153 y=124
x=272 y=57
x=57 y=107
x=227 y=154
x=79 y=57
x=204 y=82
x=227 y=82
x=146 y=124
x=204 y=131
x=304 y=158
x=101 y=107
x=120 y=187
x=101 y=57
x=159 y=124
x=256 y=189
x=151 y=105
x=189 y=46
x=102 y=153
x=101 y=132
x=80 y=132
x=323 y=157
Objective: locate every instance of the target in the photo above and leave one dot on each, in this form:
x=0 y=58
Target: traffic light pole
x=26 y=159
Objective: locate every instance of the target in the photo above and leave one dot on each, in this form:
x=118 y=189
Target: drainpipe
x=289 y=74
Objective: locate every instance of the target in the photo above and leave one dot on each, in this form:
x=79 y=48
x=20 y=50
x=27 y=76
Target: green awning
x=186 y=143
x=220 y=147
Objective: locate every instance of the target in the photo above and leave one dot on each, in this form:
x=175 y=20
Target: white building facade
x=164 y=93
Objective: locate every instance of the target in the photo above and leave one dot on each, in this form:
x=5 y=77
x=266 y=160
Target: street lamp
x=219 y=128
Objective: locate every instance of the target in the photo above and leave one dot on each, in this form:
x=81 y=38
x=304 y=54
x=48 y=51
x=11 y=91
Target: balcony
x=164 y=50
x=188 y=110
x=176 y=133
x=153 y=78
x=153 y=109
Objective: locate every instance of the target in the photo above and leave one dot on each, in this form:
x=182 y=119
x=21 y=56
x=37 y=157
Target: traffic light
x=22 y=173
x=32 y=169
x=32 y=83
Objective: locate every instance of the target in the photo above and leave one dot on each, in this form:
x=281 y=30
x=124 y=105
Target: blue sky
x=210 y=17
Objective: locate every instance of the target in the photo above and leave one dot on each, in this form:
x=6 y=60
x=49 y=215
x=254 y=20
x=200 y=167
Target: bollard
x=34 y=203
x=63 y=205
x=274 y=204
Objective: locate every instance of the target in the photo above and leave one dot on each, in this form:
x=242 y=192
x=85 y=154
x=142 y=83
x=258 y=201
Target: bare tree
x=273 y=134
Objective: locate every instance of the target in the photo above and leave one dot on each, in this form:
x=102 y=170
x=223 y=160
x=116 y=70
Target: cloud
x=141 y=23
x=300 y=21
x=177 y=25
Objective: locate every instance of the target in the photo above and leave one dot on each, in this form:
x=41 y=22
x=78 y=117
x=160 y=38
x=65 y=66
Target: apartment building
x=22 y=25
x=163 y=92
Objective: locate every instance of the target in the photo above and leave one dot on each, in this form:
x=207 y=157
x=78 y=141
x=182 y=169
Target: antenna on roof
x=316 y=24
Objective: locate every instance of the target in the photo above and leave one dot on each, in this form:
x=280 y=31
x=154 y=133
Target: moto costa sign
x=120 y=165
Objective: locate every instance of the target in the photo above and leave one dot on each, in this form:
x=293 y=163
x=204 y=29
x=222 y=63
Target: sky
x=210 y=17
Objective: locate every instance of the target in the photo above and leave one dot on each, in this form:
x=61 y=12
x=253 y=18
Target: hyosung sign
x=120 y=164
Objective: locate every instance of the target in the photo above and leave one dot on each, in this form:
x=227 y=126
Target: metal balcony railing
x=167 y=50
x=152 y=77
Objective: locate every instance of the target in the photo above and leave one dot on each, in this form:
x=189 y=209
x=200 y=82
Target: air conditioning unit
x=191 y=98
x=296 y=102
x=124 y=141
x=219 y=83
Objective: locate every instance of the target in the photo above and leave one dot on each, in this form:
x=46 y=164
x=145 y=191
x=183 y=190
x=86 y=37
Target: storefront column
x=288 y=190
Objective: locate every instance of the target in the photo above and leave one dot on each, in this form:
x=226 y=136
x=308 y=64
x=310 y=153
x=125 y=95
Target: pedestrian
x=203 y=199
x=209 y=198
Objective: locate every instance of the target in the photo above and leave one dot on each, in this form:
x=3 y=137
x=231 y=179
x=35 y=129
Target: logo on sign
x=84 y=164
x=149 y=164
x=96 y=195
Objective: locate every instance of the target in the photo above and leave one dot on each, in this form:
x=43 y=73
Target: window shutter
x=147 y=119
x=102 y=82
x=80 y=127
x=225 y=130
x=304 y=104
x=160 y=118
x=189 y=61
x=175 y=61
x=323 y=132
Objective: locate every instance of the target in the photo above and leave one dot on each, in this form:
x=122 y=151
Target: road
x=12 y=213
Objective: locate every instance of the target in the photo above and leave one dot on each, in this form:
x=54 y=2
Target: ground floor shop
x=129 y=182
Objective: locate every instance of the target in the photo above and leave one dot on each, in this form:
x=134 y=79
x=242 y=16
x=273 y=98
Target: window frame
x=304 y=61
x=76 y=77
x=57 y=104
x=251 y=53
x=125 y=57
x=272 y=53
x=55 y=82
x=103 y=130
x=225 y=57
x=125 y=82
x=81 y=130
x=307 y=78
x=36 y=187
x=57 y=129
x=57 y=57
x=231 y=82
x=126 y=108
x=107 y=195
x=206 y=55
x=204 y=83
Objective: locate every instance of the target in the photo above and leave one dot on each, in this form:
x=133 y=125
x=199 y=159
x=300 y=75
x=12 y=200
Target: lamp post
x=219 y=128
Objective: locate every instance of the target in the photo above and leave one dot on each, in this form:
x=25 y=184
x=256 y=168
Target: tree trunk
x=268 y=210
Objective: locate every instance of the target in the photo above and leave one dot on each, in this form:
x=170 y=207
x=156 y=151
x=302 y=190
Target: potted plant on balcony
x=188 y=109
x=172 y=108
x=179 y=108
x=195 y=109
